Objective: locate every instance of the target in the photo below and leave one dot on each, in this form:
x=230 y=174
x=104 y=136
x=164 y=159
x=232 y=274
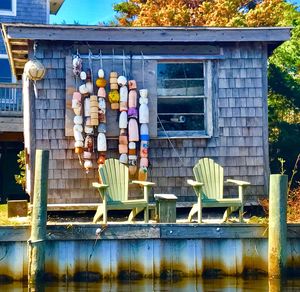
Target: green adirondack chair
x=114 y=191
x=209 y=190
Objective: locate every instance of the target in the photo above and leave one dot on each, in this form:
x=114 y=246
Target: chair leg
x=98 y=214
x=226 y=214
x=193 y=211
x=146 y=214
x=241 y=213
x=228 y=211
x=134 y=212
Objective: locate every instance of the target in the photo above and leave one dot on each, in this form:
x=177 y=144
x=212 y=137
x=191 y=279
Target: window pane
x=183 y=70
x=180 y=79
x=180 y=87
x=180 y=105
x=181 y=123
x=6 y=5
x=181 y=101
x=5 y=74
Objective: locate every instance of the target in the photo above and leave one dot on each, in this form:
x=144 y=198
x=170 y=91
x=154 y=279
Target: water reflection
x=210 y=285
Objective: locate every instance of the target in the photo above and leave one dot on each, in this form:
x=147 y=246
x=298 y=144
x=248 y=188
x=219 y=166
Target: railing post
x=36 y=243
x=277 y=226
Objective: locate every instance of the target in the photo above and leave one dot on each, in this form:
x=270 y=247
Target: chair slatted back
x=212 y=175
x=115 y=175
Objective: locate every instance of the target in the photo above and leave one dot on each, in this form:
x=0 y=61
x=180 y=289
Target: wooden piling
x=36 y=243
x=277 y=226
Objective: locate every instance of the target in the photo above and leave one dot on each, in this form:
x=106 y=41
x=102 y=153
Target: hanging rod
x=154 y=57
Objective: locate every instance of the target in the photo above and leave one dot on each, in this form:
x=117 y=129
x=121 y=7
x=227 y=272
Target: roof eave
x=17 y=37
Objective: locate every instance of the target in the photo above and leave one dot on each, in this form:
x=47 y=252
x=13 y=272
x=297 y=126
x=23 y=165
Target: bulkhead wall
x=146 y=258
x=239 y=120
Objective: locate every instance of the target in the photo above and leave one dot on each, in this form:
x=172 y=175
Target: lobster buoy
x=101 y=73
x=122 y=80
x=123 y=158
x=144 y=149
x=132 y=84
x=123 y=120
x=89 y=143
x=144 y=114
x=133 y=131
x=124 y=93
x=143 y=173
x=34 y=70
x=101 y=142
x=144 y=132
x=132 y=112
x=132 y=99
x=144 y=162
x=88 y=165
x=102 y=128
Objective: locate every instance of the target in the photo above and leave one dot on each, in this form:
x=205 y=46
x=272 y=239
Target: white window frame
x=12 y=12
x=208 y=108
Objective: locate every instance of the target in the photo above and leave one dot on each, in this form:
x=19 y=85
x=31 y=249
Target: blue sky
x=86 y=12
x=91 y=12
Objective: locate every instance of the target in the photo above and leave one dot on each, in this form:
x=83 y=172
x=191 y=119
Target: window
x=8 y=7
x=5 y=73
x=182 y=99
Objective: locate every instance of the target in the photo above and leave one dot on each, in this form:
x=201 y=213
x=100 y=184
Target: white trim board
x=12 y=12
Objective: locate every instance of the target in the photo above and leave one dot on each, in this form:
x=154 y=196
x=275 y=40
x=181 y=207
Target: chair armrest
x=146 y=185
x=194 y=183
x=143 y=183
x=238 y=182
x=99 y=186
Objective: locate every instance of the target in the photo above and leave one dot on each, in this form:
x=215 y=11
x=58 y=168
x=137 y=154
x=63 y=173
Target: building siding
x=28 y=11
x=239 y=112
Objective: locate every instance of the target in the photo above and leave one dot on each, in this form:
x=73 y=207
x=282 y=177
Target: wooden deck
x=93 y=206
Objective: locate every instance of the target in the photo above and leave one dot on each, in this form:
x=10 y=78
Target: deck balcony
x=11 y=108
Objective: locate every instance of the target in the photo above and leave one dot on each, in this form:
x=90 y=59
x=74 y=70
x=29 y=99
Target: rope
x=130 y=70
x=113 y=59
x=101 y=61
x=143 y=69
x=124 y=65
x=34 y=49
x=90 y=64
x=165 y=132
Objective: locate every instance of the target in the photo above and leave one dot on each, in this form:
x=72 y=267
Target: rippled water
x=225 y=284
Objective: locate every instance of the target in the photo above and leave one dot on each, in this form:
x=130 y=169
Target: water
x=229 y=284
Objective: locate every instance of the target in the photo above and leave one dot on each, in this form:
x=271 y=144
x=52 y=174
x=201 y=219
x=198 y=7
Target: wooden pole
x=277 y=226
x=36 y=243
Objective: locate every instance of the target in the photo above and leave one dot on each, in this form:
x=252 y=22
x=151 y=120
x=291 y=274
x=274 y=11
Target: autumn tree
x=201 y=12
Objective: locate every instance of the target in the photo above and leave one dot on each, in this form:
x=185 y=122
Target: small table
x=165 y=208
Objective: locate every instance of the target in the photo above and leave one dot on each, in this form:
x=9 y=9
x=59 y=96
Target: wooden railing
x=11 y=98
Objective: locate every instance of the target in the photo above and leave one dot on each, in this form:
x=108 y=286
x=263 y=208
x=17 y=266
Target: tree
x=201 y=12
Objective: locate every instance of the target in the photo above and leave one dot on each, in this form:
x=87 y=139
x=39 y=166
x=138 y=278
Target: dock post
x=277 y=226
x=36 y=243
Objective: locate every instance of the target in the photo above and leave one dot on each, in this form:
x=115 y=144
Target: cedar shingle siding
x=239 y=141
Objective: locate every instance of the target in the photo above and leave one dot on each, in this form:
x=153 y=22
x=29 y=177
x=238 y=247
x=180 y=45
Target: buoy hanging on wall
x=34 y=70
x=101 y=138
x=144 y=128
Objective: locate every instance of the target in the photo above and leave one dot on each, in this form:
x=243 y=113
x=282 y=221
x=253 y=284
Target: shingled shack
x=207 y=98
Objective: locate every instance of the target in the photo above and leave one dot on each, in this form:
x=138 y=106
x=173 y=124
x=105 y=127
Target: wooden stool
x=165 y=208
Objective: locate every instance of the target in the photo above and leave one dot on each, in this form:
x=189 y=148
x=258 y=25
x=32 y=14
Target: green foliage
x=20 y=178
x=127 y=12
x=284 y=100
